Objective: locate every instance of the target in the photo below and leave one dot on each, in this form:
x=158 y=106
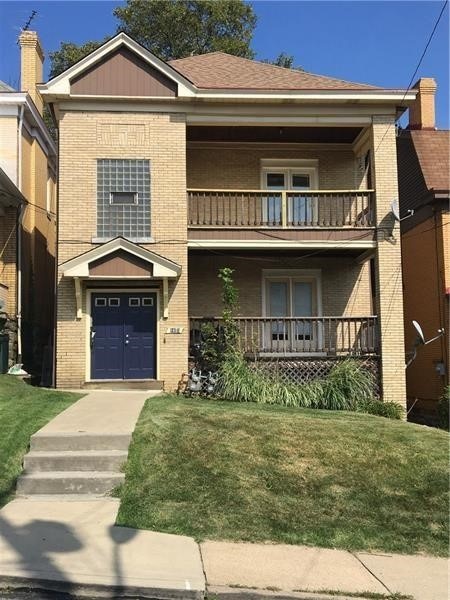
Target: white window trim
x=286 y=165
x=268 y=274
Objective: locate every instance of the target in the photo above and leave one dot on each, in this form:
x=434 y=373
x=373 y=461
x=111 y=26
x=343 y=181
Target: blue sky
x=375 y=42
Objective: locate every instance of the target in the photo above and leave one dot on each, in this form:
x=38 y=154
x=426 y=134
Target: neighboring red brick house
x=423 y=163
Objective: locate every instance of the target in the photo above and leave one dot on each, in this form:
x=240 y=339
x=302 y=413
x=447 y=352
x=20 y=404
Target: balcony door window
x=301 y=208
x=290 y=301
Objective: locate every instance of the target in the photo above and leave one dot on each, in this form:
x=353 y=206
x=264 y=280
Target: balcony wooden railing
x=298 y=335
x=284 y=208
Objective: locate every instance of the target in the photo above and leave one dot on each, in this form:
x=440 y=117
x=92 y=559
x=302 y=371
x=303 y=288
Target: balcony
x=300 y=336
x=256 y=209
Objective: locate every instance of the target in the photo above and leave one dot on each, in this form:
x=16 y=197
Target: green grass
x=221 y=470
x=23 y=410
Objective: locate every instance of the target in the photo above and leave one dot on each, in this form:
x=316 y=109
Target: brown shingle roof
x=432 y=149
x=218 y=70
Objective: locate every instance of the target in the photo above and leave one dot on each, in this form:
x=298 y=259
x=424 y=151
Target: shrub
x=443 y=409
x=347 y=387
x=390 y=410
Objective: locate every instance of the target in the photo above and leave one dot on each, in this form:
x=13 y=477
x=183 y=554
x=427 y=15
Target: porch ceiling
x=323 y=135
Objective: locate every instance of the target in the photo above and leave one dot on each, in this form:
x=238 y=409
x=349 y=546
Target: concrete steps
x=79 y=463
x=54 y=442
x=68 y=482
x=81 y=460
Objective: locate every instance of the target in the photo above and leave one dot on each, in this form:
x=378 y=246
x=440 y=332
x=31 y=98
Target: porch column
x=389 y=292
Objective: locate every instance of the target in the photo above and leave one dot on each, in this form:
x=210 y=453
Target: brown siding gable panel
x=122 y=73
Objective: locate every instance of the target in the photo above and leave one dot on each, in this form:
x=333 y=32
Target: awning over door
x=120 y=259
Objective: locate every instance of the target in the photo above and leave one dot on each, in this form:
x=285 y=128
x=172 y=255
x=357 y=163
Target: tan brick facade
x=240 y=167
x=84 y=138
x=389 y=272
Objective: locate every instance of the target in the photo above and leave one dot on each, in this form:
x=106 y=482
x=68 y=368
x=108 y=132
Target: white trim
x=324 y=244
x=158 y=320
x=293 y=273
x=61 y=83
x=79 y=266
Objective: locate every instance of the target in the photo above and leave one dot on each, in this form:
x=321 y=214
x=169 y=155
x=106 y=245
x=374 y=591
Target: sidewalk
x=73 y=546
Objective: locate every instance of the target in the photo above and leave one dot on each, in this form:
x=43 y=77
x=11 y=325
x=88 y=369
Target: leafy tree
x=174 y=29
x=284 y=60
x=179 y=28
x=68 y=54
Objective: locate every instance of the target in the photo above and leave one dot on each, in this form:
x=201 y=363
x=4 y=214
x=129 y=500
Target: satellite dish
x=418 y=328
x=395 y=210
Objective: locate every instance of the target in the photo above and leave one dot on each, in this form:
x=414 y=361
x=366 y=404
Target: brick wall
x=160 y=138
x=240 y=167
x=345 y=284
x=388 y=261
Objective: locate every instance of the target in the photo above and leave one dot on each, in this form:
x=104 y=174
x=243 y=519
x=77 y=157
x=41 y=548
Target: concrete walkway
x=70 y=544
x=82 y=450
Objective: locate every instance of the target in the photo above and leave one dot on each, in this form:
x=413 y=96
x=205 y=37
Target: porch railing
x=298 y=335
x=284 y=208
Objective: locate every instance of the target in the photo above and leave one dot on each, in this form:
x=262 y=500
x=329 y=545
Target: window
x=147 y=301
x=289 y=175
x=123 y=198
x=114 y=302
x=134 y=302
x=291 y=298
x=100 y=302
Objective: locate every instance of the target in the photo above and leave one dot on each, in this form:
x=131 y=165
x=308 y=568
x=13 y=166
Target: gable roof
x=218 y=70
x=223 y=76
x=79 y=266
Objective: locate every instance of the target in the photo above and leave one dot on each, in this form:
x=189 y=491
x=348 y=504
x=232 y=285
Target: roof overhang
x=10 y=195
x=11 y=103
x=162 y=268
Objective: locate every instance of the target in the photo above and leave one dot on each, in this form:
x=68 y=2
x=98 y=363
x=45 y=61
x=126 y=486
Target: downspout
x=19 y=238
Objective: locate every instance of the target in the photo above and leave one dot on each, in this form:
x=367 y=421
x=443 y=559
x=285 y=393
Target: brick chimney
x=31 y=65
x=421 y=113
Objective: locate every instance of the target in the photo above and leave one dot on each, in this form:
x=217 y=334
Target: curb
x=238 y=593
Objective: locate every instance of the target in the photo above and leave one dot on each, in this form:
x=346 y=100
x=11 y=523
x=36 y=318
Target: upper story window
x=123 y=198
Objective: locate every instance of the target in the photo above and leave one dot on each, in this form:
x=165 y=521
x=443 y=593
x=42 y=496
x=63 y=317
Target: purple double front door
x=123 y=335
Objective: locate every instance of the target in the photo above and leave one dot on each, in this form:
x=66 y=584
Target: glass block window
x=123 y=198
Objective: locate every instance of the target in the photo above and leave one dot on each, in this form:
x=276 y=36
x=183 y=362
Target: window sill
x=135 y=240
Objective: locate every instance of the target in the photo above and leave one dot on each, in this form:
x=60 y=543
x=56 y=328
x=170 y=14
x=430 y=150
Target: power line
x=418 y=66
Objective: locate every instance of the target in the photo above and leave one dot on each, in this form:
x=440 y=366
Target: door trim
x=89 y=292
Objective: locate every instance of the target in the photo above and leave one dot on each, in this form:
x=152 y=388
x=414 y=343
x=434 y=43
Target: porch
x=291 y=304
x=276 y=337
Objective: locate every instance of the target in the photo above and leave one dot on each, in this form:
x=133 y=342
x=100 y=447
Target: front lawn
x=220 y=470
x=23 y=410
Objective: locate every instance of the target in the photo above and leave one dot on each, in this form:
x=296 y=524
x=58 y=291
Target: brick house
x=424 y=186
x=27 y=213
x=169 y=171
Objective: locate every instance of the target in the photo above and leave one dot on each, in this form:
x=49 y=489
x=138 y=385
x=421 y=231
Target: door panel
x=139 y=333
x=123 y=336
x=106 y=338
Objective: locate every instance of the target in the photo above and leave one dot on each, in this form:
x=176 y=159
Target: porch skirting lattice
x=302 y=370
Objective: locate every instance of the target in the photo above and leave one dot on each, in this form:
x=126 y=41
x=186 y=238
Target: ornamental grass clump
x=347 y=387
